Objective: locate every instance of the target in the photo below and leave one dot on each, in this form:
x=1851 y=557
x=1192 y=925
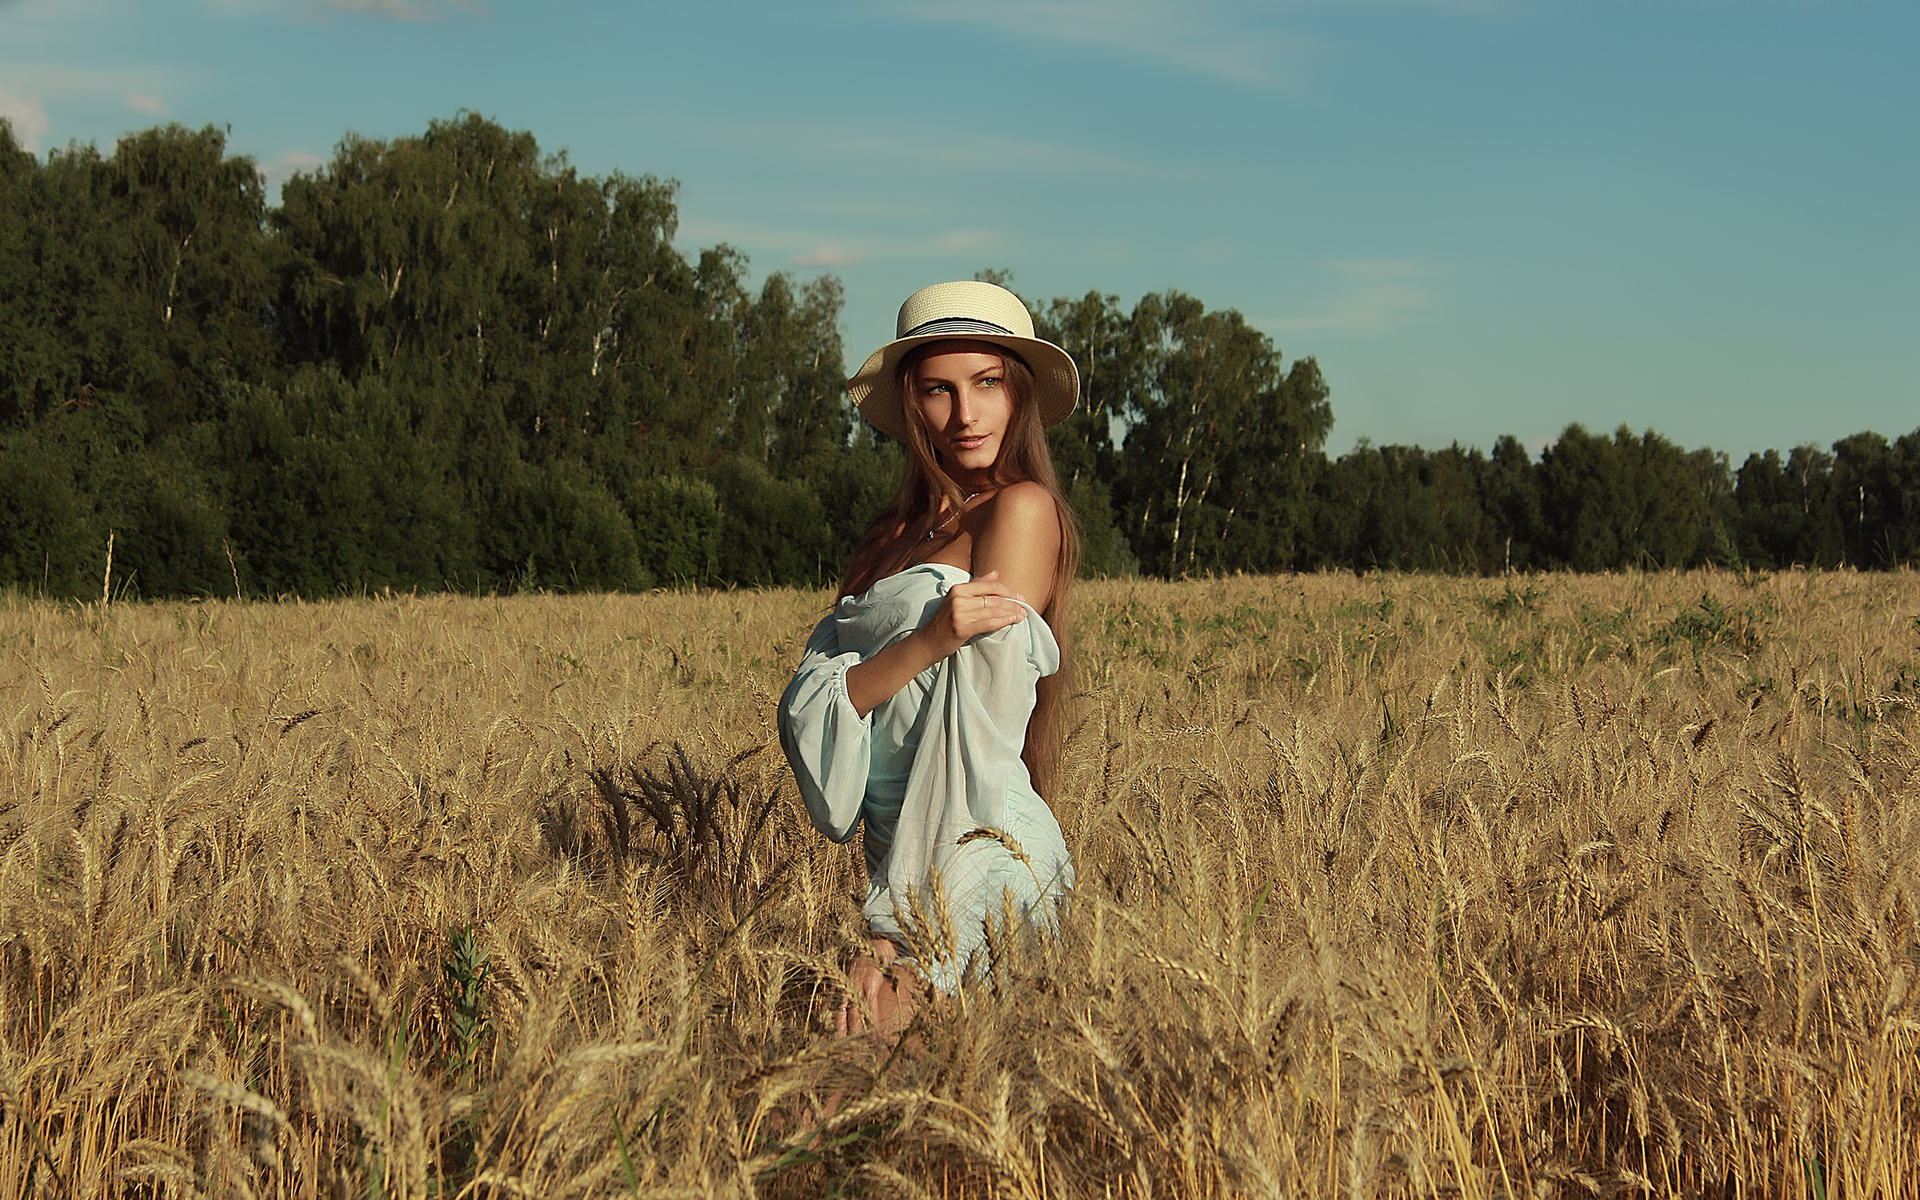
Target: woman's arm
x=968 y=610
x=1014 y=556
x=1021 y=542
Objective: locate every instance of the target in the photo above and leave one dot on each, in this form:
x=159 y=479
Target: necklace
x=952 y=516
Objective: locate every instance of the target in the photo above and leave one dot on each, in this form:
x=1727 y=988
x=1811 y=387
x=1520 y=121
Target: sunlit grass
x=1387 y=886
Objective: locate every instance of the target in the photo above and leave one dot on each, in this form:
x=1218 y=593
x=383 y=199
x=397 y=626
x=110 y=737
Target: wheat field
x=1388 y=886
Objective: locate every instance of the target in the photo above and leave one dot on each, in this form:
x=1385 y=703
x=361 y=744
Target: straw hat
x=973 y=311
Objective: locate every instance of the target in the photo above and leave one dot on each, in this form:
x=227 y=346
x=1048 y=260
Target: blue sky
x=1481 y=216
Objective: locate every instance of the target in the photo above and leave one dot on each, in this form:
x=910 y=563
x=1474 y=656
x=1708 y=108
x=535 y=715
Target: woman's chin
x=981 y=459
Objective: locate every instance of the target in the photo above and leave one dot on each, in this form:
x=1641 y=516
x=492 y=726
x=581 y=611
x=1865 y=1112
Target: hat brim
x=875 y=387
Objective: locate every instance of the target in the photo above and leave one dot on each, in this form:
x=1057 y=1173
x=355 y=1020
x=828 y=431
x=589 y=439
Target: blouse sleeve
x=827 y=743
x=968 y=758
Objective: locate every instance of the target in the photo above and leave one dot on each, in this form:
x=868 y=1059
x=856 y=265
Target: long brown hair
x=890 y=543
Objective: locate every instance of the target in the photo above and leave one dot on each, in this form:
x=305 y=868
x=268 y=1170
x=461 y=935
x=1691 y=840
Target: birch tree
x=1219 y=439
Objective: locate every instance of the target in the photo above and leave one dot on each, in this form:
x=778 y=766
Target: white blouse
x=937 y=762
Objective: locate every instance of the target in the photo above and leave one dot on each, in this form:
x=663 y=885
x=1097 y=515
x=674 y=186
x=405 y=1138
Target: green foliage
x=47 y=544
x=1406 y=508
x=451 y=361
x=1099 y=335
x=558 y=524
x=1603 y=633
x=443 y=361
x=785 y=399
x=676 y=526
x=136 y=281
x=1220 y=439
x=772 y=530
x=1785 y=510
x=328 y=491
x=1104 y=553
x=1510 y=495
x=1711 y=625
x=463 y=972
x=1510 y=603
x=853 y=488
x=170 y=531
x=1636 y=502
x=1877 y=489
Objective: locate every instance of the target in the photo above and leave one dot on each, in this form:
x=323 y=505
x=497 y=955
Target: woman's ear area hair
x=916 y=420
x=909 y=375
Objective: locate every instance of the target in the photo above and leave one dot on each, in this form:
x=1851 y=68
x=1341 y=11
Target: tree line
x=452 y=362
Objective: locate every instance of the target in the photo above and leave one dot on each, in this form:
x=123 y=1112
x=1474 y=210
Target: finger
x=986 y=589
x=988 y=611
x=990 y=623
x=969 y=605
x=998 y=613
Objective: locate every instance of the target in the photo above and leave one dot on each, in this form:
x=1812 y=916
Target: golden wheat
x=1387 y=886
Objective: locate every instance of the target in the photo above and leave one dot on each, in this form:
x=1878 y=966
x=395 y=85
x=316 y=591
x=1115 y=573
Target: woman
x=926 y=702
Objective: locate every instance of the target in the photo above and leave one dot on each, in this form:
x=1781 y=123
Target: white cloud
x=403 y=10
x=28 y=117
x=831 y=257
x=1235 y=40
x=33 y=32
x=243 y=8
x=1197 y=37
x=30 y=86
x=808 y=248
x=92 y=84
x=849 y=149
x=282 y=167
x=389 y=10
x=1368 y=296
x=962 y=241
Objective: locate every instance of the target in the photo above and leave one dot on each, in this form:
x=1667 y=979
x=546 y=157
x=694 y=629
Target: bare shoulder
x=1024 y=507
x=1020 y=538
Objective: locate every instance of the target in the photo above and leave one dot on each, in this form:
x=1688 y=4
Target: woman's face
x=965 y=404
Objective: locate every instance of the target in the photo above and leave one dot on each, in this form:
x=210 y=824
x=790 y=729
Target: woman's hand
x=981 y=605
x=968 y=610
x=876 y=988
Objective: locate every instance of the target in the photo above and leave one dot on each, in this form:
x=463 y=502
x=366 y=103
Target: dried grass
x=1388 y=886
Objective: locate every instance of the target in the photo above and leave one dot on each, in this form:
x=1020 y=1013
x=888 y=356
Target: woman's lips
x=970 y=443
